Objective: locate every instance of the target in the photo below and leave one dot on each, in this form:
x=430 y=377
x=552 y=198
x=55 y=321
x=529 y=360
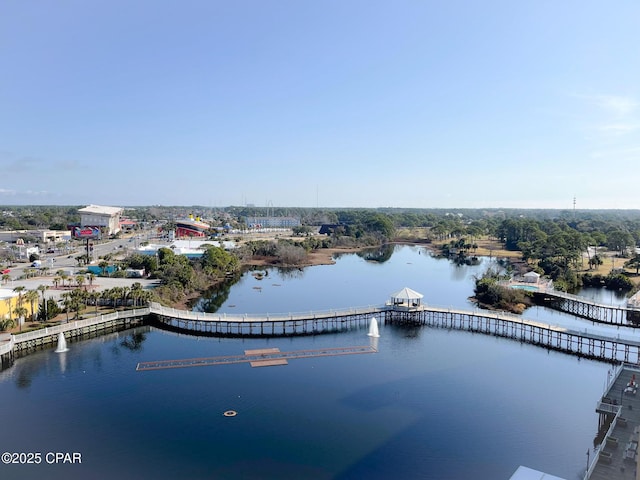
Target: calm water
x=431 y=404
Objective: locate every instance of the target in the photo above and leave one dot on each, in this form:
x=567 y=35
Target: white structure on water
x=373 y=328
x=406 y=298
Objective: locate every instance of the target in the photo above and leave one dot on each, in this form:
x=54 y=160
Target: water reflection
x=134 y=340
x=291 y=273
x=214 y=298
x=26 y=373
x=379 y=255
x=62 y=357
x=359 y=416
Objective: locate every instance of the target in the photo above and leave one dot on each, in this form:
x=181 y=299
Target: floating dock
x=256 y=358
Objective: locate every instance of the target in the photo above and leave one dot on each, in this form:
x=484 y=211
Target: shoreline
x=323 y=256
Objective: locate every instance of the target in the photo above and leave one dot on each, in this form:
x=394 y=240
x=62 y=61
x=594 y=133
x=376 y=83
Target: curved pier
x=609 y=348
x=600 y=346
x=581 y=307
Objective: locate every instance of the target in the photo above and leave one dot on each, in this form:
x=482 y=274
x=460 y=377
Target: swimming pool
x=529 y=288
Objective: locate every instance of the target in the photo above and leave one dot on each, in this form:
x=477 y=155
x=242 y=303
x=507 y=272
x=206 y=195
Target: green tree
x=595 y=261
x=218 y=262
x=6 y=324
x=42 y=289
x=32 y=297
x=634 y=263
x=94 y=298
x=103 y=267
x=20 y=313
x=67 y=303
x=620 y=240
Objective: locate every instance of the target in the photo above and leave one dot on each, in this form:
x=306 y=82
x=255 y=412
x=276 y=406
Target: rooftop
x=7 y=293
x=101 y=210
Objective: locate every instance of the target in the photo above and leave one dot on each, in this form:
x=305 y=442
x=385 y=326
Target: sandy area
x=323 y=256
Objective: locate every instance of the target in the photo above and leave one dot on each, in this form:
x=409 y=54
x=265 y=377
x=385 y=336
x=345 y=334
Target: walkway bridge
x=597 y=312
x=611 y=348
x=598 y=345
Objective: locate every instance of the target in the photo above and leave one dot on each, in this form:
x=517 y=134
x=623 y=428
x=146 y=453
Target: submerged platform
x=257 y=358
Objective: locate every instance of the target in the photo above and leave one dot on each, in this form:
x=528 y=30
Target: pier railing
x=7 y=345
x=64 y=327
x=618 y=315
x=158 y=309
x=599 y=448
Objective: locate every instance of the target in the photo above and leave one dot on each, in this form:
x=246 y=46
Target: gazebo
x=406 y=298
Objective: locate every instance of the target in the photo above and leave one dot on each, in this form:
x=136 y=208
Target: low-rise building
x=10 y=300
x=106 y=218
x=39 y=235
x=272 y=222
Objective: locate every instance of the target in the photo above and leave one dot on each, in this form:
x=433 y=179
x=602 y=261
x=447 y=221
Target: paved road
x=120 y=247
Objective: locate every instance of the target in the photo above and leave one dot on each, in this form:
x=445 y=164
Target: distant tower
x=574 y=208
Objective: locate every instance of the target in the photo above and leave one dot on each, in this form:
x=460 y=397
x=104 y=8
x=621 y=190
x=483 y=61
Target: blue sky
x=327 y=103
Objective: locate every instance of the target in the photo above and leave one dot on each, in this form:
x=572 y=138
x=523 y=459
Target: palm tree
x=66 y=303
x=78 y=299
x=80 y=279
x=124 y=294
x=104 y=295
x=145 y=297
x=6 y=324
x=94 y=297
x=20 y=289
x=103 y=266
x=5 y=278
x=32 y=297
x=114 y=294
x=136 y=293
x=91 y=277
x=42 y=289
x=20 y=313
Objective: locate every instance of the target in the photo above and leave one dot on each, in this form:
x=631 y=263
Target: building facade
x=106 y=218
x=9 y=301
x=272 y=222
x=53 y=236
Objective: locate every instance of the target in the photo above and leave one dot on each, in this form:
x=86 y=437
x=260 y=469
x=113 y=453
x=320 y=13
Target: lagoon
x=431 y=404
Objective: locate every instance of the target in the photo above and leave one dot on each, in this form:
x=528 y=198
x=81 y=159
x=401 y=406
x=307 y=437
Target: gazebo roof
x=407 y=294
x=531 y=274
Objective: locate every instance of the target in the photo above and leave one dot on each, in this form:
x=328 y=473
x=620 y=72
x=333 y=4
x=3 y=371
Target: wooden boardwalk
x=257 y=358
x=602 y=346
x=611 y=348
x=627 y=315
x=584 y=343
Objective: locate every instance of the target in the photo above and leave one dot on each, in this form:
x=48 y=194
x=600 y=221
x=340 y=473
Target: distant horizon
x=569 y=210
